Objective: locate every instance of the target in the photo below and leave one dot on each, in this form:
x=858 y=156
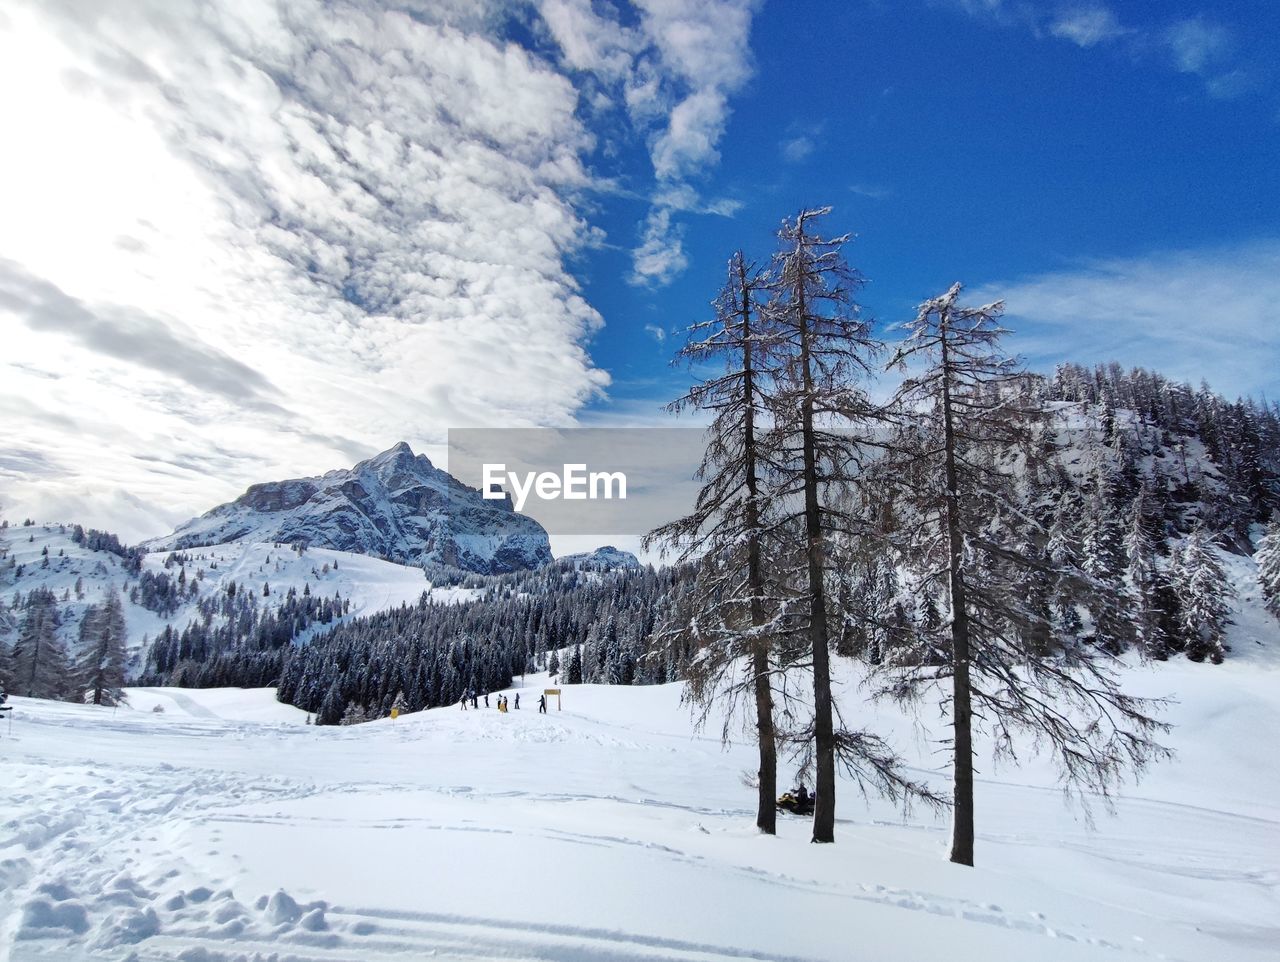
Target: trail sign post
x=554 y=691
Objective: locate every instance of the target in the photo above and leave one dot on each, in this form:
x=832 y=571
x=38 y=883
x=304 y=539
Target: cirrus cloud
x=1190 y=314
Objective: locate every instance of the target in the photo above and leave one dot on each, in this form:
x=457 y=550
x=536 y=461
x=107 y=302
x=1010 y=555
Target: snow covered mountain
x=605 y=558
x=396 y=506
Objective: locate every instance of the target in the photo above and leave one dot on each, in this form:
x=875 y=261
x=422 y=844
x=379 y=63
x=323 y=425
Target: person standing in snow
x=542 y=704
x=463 y=703
x=486 y=699
x=517 y=701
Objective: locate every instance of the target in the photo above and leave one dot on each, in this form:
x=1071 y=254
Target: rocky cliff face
x=396 y=505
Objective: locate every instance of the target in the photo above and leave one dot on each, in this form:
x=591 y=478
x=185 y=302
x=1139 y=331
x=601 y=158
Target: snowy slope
x=610 y=830
x=223 y=704
x=395 y=505
x=368 y=583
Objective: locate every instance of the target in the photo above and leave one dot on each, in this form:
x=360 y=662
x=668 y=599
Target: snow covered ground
x=223 y=829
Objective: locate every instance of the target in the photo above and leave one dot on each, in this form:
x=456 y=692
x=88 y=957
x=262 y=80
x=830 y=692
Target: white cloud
x=1191 y=45
x=871 y=191
x=674 y=70
x=797 y=149
x=657 y=333
x=1087 y=26
x=682 y=197
x=589 y=41
x=660 y=256
x=258 y=240
x=1189 y=314
x=1196 y=45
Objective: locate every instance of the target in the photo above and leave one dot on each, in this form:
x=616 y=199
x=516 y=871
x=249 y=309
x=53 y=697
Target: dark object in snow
x=797 y=803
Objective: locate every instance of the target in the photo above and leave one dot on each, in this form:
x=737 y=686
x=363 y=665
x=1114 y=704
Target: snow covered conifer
x=6 y=665
x=1144 y=582
x=1200 y=583
x=1268 y=559
x=333 y=707
x=40 y=668
x=100 y=667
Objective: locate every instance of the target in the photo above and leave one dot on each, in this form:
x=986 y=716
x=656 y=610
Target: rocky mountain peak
x=394 y=505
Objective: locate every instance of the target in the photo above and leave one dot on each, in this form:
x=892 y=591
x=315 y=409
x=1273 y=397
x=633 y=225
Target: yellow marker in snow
x=395 y=713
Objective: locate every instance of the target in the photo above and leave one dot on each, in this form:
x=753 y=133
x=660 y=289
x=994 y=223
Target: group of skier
x=504 y=703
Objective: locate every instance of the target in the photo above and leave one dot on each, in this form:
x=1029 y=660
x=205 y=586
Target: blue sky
x=246 y=241
x=959 y=144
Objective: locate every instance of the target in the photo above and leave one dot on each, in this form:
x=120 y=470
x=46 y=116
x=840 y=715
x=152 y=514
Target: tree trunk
x=961 y=709
x=766 y=810
x=824 y=803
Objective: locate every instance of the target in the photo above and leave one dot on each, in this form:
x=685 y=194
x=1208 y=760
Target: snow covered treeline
x=236 y=642
x=588 y=626
x=39 y=665
x=987 y=538
x=206 y=620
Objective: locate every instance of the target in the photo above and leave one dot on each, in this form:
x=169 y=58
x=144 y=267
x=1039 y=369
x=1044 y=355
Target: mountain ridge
x=395 y=505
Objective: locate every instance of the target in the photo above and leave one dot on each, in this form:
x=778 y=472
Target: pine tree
x=1144 y=583
x=968 y=531
x=100 y=668
x=6 y=658
x=1197 y=577
x=40 y=667
x=333 y=707
x=1268 y=559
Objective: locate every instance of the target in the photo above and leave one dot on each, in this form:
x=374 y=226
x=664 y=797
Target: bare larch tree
x=971 y=539
x=730 y=614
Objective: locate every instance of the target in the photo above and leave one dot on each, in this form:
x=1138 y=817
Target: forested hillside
x=589 y=626
x=172 y=615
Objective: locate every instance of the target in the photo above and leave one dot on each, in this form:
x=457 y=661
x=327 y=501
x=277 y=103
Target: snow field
x=223 y=830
